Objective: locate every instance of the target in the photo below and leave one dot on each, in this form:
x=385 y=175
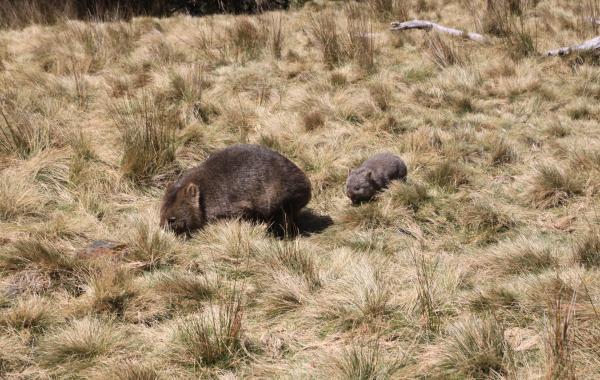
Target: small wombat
x=246 y=181
x=374 y=175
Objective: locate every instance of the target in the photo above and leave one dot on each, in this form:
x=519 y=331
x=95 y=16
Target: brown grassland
x=484 y=264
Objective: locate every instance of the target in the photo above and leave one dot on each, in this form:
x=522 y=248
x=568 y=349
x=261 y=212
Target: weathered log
x=428 y=25
x=589 y=45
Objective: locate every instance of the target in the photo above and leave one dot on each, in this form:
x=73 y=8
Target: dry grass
x=495 y=229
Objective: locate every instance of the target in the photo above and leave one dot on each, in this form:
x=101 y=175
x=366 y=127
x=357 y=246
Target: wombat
x=374 y=175
x=246 y=181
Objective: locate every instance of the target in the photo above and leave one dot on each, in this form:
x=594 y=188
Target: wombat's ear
x=370 y=177
x=191 y=190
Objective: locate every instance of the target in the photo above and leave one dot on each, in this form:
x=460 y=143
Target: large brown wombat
x=246 y=181
x=374 y=175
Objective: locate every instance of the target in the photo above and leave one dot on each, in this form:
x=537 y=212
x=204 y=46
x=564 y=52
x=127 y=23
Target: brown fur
x=247 y=181
x=374 y=175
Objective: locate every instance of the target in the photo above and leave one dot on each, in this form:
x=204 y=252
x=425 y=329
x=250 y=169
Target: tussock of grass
x=484 y=222
x=22 y=132
x=32 y=313
x=211 y=339
x=552 y=187
x=360 y=45
x=148 y=140
x=296 y=259
x=448 y=175
x=427 y=296
x=324 y=30
x=134 y=370
x=502 y=153
x=149 y=245
x=313 y=120
x=587 y=250
x=521 y=256
x=365 y=361
x=369 y=216
x=40 y=255
x=494 y=298
x=443 y=52
x=559 y=339
x=412 y=195
x=13 y=353
x=385 y=10
x=276 y=37
x=475 y=348
x=110 y=290
x=382 y=94
x=286 y=292
x=18 y=198
x=247 y=40
x=184 y=286
x=79 y=343
x=359 y=298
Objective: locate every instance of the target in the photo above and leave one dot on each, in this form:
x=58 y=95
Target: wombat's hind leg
x=284 y=225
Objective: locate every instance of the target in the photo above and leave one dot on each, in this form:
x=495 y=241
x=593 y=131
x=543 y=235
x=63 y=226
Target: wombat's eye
x=172 y=220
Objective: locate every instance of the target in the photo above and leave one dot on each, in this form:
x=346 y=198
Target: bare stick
x=589 y=45
x=428 y=25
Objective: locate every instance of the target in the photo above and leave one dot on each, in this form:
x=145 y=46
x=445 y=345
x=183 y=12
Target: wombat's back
x=386 y=163
x=250 y=179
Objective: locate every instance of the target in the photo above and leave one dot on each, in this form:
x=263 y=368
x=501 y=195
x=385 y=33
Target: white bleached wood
x=428 y=25
x=589 y=45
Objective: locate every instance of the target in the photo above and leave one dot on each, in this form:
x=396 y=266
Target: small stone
x=103 y=248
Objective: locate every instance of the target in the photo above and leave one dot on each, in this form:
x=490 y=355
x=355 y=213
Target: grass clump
x=110 y=290
x=18 y=198
x=184 y=286
x=296 y=259
x=33 y=314
x=502 y=153
x=21 y=133
x=247 y=40
x=148 y=140
x=443 y=52
x=587 y=250
x=313 y=120
x=411 y=195
x=79 y=344
x=448 y=175
x=135 y=370
x=212 y=339
x=324 y=30
x=484 y=222
x=552 y=187
x=364 y=362
x=475 y=348
x=38 y=254
x=149 y=245
x=520 y=257
x=360 y=45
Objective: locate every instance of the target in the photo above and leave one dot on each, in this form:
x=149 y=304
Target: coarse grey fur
x=245 y=181
x=374 y=175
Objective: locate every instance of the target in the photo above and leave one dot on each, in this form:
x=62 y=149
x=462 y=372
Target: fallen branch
x=428 y=25
x=589 y=45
